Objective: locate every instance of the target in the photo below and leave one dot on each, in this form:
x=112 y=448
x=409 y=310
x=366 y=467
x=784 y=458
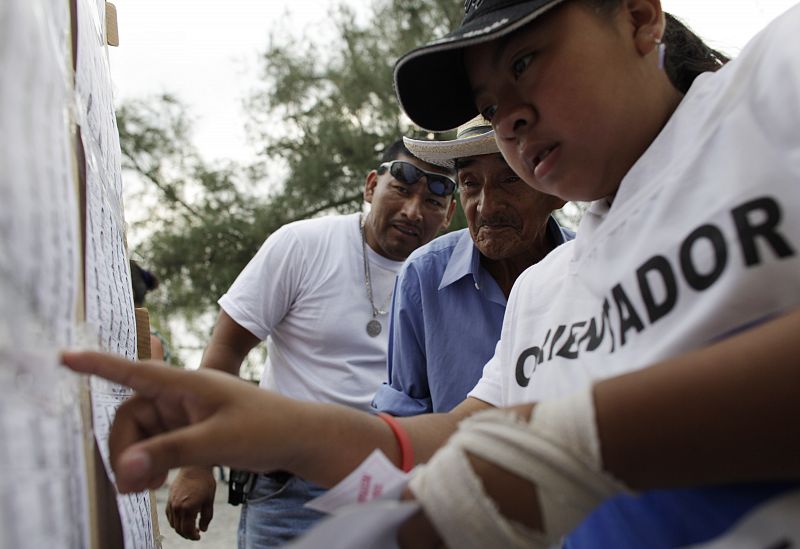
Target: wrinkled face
x=565 y=96
x=505 y=216
x=404 y=217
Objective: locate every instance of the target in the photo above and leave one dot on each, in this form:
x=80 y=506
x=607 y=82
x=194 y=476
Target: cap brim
x=431 y=81
x=445 y=153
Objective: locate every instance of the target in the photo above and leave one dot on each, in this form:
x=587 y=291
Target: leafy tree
x=201 y=239
x=320 y=117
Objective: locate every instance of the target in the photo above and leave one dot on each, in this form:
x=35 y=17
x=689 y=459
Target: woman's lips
x=545 y=160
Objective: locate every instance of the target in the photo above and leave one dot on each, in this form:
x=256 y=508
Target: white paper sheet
x=43 y=495
x=365 y=507
x=109 y=301
x=376 y=478
x=134 y=509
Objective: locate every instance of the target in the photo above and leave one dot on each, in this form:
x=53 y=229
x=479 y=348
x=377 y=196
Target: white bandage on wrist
x=558 y=451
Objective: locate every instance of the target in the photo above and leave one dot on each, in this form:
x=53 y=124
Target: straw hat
x=474 y=138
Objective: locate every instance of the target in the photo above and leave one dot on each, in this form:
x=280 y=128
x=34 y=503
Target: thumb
x=133 y=469
x=144 y=465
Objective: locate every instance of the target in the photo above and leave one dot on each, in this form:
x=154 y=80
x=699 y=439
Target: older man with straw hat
x=451 y=294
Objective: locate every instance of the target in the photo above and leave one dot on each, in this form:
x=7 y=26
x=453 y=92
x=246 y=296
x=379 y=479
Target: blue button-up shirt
x=446 y=319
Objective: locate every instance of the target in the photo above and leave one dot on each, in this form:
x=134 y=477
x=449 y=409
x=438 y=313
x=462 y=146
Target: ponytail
x=687 y=55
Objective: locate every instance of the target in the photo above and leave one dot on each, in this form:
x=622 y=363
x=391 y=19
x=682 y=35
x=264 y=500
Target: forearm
x=330 y=440
x=725 y=413
x=729 y=412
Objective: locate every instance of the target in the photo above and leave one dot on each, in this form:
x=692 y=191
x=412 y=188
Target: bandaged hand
x=557 y=452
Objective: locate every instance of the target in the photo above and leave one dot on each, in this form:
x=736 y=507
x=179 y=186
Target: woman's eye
x=520 y=64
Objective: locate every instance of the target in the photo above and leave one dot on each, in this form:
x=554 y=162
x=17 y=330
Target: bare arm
x=354 y=435
x=202 y=418
x=726 y=413
x=228 y=346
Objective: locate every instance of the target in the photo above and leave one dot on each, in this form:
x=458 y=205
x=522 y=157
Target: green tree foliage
x=325 y=111
x=320 y=117
x=201 y=232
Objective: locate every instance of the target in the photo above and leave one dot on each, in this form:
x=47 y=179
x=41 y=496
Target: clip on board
x=112 y=31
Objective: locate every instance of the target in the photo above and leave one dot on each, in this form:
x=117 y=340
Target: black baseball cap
x=431 y=81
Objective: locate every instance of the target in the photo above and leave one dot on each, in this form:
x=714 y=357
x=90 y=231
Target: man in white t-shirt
x=318 y=291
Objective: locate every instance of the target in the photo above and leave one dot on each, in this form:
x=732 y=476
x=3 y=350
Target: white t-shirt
x=703 y=239
x=714 y=203
x=305 y=291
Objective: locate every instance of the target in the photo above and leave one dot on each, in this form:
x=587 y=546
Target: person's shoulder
x=781 y=44
x=784 y=29
x=316 y=226
x=440 y=248
x=774 y=45
x=324 y=222
x=553 y=264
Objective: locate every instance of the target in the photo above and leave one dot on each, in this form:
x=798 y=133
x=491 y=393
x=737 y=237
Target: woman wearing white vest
x=660 y=347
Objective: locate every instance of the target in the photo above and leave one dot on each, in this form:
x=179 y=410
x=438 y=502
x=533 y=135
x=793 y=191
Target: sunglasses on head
x=409 y=174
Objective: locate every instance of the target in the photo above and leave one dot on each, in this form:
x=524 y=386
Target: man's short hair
x=393 y=151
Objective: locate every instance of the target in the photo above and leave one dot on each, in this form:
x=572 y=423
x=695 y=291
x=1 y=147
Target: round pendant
x=373 y=328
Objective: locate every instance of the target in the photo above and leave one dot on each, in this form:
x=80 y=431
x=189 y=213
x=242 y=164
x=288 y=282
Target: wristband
x=403 y=440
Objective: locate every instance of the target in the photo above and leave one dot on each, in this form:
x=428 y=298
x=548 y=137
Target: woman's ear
x=647 y=20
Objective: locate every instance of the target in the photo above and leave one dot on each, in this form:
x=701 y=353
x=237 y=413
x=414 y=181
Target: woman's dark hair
x=142 y=281
x=687 y=56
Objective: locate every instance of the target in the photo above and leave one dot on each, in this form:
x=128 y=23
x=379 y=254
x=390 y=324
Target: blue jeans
x=273 y=513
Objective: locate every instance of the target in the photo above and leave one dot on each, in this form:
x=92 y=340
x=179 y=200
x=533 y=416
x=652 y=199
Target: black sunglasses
x=409 y=174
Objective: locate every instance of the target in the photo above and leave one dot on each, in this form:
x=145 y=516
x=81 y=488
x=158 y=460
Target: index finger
x=147 y=379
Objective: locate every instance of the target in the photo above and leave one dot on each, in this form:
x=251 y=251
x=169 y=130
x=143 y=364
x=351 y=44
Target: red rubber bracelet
x=400 y=433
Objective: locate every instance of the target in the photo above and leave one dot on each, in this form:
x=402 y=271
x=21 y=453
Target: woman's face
x=568 y=99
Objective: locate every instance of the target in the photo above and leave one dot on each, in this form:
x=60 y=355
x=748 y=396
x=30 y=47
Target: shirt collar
x=466 y=259
x=557 y=232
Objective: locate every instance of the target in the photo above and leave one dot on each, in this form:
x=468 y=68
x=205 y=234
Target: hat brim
x=445 y=153
x=439 y=66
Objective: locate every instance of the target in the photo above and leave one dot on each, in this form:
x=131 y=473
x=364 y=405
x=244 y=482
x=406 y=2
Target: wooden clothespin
x=112 y=31
x=143 y=351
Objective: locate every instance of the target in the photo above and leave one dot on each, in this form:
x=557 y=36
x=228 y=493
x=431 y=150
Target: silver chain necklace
x=374 y=327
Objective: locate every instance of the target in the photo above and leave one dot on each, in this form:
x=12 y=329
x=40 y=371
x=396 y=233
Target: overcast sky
x=205 y=51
